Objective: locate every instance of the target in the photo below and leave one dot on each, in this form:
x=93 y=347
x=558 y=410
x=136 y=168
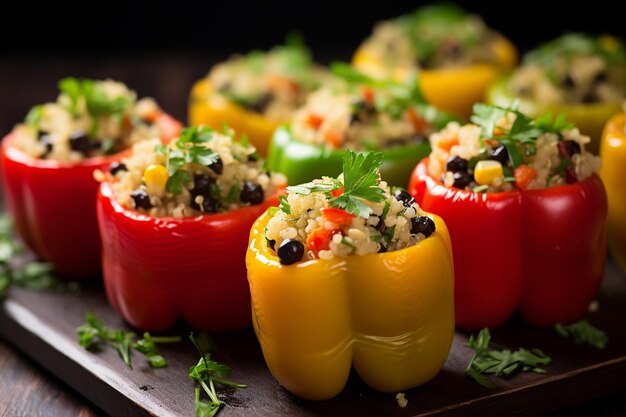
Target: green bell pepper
x=303 y=162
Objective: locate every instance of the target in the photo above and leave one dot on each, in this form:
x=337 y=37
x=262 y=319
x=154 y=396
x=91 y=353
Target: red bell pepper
x=539 y=251
x=157 y=269
x=52 y=204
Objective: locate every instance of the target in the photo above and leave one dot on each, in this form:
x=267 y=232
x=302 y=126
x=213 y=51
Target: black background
x=160 y=48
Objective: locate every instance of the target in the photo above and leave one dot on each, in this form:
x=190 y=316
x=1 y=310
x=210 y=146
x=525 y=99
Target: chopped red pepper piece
x=338 y=216
x=319 y=240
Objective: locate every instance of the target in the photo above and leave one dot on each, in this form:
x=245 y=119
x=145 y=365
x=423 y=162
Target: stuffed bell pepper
x=346 y=274
x=175 y=221
x=613 y=173
x=48 y=163
x=526 y=211
x=253 y=94
x=580 y=76
x=356 y=112
x=456 y=54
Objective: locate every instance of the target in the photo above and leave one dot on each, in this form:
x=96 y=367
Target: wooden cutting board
x=42 y=325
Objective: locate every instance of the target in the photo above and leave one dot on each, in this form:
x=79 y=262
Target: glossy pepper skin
x=214 y=110
x=613 y=173
x=303 y=162
x=453 y=90
x=389 y=315
x=159 y=269
x=539 y=251
x=52 y=204
x=588 y=117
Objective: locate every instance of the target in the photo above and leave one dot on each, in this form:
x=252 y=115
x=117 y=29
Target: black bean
x=290 y=251
x=589 y=97
x=362 y=111
x=141 y=199
x=252 y=193
x=404 y=197
x=568 y=81
x=570 y=175
x=202 y=184
x=500 y=154
x=261 y=103
x=600 y=77
x=568 y=148
x=80 y=142
x=380 y=225
x=422 y=224
x=46 y=140
x=382 y=248
x=462 y=179
x=217 y=166
x=456 y=164
x=271 y=243
x=117 y=167
x=209 y=205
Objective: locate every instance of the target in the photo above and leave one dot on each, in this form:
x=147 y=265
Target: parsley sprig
x=94 y=333
x=360 y=182
x=207 y=373
x=503 y=363
x=189 y=149
x=520 y=140
x=32 y=275
x=583 y=333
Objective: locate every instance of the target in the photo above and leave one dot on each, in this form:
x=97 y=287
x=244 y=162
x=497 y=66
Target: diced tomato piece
x=419 y=123
x=333 y=138
x=338 y=216
x=524 y=175
x=447 y=144
x=314 y=120
x=319 y=240
x=337 y=192
x=368 y=94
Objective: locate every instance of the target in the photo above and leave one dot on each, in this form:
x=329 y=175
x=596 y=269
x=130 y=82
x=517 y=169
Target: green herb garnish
x=583 y=333
x=207 y=373
x=360 y=182
x=502 y=363
x=284 y=204
x=521 y=138
x=32 y=275
x=97 y=101
x=94 y=333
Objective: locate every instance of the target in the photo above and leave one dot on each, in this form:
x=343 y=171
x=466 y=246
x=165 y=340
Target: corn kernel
x=155 y=177
x=487 y=171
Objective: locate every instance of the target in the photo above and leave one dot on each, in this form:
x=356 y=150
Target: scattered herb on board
x=583 y=333
x=94 y=333
x=207 y=373
x=503 y=363
x=32 y=275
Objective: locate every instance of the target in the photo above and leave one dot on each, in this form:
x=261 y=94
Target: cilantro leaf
x=284 y=204
x=583 y=333
x=176 y=182
x=503 y=363
x=360 y=174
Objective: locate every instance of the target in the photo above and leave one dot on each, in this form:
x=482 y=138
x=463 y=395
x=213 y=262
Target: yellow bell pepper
x=206 y=107
x=453 y=90
x=390 y=315
x=613 y=173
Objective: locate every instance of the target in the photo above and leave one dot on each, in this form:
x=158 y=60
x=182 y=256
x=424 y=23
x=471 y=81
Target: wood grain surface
x=43 y=326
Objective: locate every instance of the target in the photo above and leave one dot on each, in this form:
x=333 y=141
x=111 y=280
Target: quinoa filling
x=574 y=68
x=504 y=150
x=360 y=113
x=436 y=36
x=354 y=214
x=272 y=83
x=201 y=172
x=90 y=118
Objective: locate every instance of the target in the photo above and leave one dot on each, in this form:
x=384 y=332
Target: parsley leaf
x=207 y=373
x=360 y=175
x=503 y=363
x=94 y=333
x=583 y=333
